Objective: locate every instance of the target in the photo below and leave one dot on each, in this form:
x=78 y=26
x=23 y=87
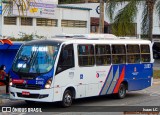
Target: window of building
x=66 y=59
x=145 y=53
x=133 y=54
x=46 y=22
x=103 y=54
x=26 y=21
x=118 y=54
x=74 y=23
x=10 y=20
x=94 y=29
x=86 y=55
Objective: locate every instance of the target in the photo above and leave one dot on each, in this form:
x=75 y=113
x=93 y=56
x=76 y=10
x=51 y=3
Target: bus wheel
x=30 y=102
x=67 y=99
x=122 y=91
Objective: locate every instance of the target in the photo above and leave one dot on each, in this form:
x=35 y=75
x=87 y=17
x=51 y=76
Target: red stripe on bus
x=121 y=78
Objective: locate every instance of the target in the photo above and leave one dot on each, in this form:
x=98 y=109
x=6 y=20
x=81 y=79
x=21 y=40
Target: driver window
x=66 y=59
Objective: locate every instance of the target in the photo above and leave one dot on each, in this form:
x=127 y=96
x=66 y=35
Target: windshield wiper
x=25 y=62
x=28 y=60
x=33 y=59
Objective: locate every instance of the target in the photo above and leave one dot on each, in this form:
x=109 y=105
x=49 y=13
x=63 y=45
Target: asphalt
x=4 y=98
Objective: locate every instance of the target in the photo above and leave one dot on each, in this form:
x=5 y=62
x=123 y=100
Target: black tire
x=30 y=102
x=122 y=91
x=67 y=99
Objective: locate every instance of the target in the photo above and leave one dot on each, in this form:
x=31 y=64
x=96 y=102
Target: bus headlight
x=10 y=82
x=48 y=83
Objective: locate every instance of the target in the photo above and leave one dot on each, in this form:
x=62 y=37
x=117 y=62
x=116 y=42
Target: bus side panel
x=62 y=81
x=139 y=76
x=113 y=79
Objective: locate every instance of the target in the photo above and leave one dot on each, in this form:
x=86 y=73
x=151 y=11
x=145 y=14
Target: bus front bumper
x=43 y=95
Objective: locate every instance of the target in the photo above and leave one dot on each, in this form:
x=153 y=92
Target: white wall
x=61 y=13
x=73 y=14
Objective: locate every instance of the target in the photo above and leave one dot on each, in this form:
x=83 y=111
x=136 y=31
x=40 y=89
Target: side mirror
x=65 y=54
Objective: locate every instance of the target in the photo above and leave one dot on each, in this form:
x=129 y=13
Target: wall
x=61 y=13
x=71 y=14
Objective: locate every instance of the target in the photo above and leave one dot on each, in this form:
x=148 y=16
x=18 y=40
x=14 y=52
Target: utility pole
x=101 y=17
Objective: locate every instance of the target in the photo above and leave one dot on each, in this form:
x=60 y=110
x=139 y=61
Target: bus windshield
x=35 y=59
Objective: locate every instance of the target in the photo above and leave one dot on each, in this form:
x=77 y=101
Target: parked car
x=156 y=50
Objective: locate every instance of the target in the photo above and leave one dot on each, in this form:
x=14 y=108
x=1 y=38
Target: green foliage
x=26 y=37
x=22 y=6
x=124 y=19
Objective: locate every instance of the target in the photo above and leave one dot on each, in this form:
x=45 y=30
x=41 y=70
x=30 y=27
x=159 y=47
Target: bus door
x=87 y=82
x=65 y=71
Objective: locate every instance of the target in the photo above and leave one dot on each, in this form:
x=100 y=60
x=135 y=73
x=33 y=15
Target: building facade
x=137 y=23
x=58 y=20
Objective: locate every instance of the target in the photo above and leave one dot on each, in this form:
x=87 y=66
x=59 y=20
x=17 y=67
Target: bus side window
x=86 y=58
x=118 y=54
x=66 y=58
x=133 y=53
x=103 y=54
x=145 y=53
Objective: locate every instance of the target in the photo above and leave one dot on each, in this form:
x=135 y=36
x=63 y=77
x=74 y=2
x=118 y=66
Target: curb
x=156 y=83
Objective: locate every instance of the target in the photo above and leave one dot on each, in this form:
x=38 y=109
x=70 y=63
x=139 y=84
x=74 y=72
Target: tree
x=123 y=20
x=22 y=5
x=101 y=17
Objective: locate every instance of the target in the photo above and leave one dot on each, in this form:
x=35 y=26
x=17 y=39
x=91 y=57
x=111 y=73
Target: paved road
x=147 y=97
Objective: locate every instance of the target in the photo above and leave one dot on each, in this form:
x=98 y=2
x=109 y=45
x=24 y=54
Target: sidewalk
x=3 y=96
x=156 y=82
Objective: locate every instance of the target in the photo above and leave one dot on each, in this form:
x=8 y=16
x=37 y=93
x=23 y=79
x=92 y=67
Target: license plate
x=25 y=93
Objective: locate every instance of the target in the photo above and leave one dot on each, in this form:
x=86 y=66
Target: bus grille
x=28 y=86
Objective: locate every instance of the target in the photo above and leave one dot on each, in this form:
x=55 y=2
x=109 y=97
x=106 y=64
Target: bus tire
x=67 y=99
x=122 y=91
x=30 y=102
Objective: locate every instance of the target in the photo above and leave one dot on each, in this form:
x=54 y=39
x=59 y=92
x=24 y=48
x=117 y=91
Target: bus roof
x=87 y=39
x=98 y=38
x=115 y=41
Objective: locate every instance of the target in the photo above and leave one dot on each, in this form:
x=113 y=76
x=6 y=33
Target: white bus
x=70 y=67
